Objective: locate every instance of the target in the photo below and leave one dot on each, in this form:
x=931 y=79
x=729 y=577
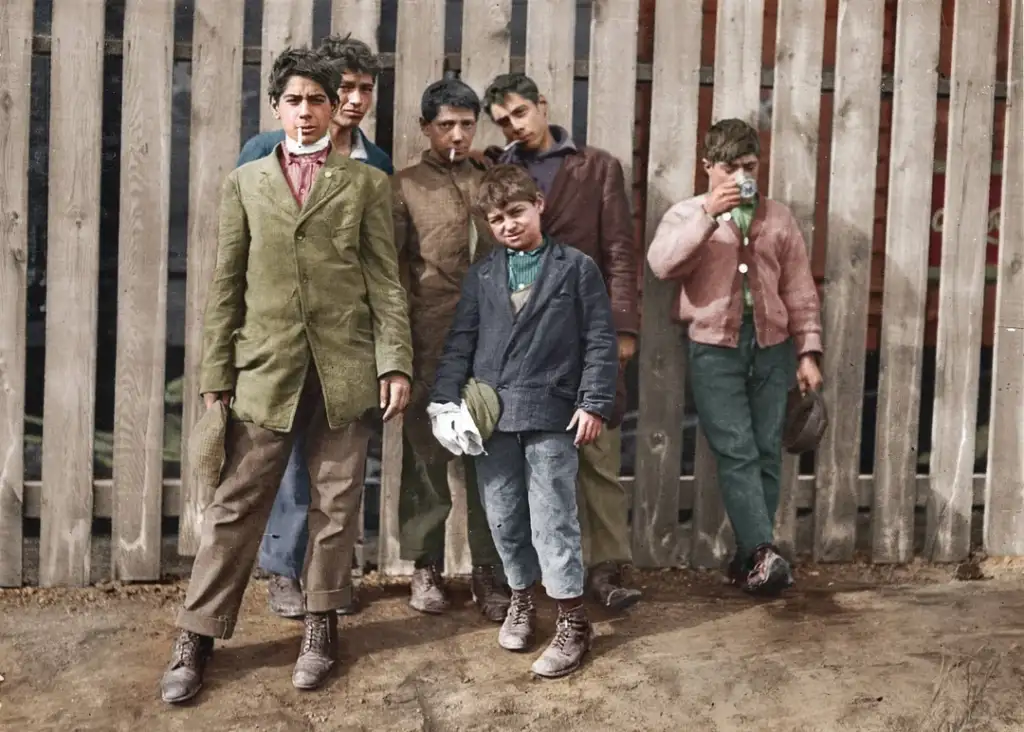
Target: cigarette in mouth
x=451 y=155
x=300 y=138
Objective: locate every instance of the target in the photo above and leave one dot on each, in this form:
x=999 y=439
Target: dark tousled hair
x=503 y=185
x=350 y=54
x=307 y=64
x=729 y=139
x=450 y=93
x=506 y=84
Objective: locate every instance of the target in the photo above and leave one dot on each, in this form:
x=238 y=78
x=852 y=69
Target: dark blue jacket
x=261 y=145
x=559 y=353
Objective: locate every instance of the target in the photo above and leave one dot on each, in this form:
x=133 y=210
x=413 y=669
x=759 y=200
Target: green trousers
x=602 y=501
x=426 y=500
x=740 y=394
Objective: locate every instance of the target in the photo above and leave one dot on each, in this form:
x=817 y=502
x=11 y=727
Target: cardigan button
x=727 y=216
x=743 y=268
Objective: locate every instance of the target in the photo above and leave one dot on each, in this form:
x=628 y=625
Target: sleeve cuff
x=807 y=343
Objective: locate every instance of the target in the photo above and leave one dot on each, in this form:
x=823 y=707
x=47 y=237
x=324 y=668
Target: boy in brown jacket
x=747 y=293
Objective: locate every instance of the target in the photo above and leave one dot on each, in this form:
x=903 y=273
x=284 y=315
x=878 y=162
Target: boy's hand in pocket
x=588 y=427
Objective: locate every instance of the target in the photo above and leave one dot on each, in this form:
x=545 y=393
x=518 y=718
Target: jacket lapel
x=561 y=197
x=494 y=277
x=274 y=186
x=553 y=271
x=330 y=181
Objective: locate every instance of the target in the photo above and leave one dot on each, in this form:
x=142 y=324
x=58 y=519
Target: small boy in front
x=535 y=324
x=747 y=293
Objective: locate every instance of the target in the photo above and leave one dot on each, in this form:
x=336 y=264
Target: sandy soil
x=855 y=648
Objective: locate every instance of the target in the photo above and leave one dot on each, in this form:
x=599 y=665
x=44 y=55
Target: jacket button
x=743 y=269
x=300 y=237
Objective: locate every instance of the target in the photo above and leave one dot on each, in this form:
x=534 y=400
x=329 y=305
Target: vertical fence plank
x=908 y=230
x=142 y=288
x=420 y=56
x=793 y=171
x=848 y=270
x=486 y=50
x=962 y=280
x=737 y=93
x=15 y=79
x=550 y=54
x=419 y=60
x=286 y=23
x=610 y=122
x=72 y=281
x=1004 y=480
x=671 y=162
x=361 y=18
x=213 y=147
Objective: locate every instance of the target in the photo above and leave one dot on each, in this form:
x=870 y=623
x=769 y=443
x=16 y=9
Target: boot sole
x=183 y=699
x=625 y=603
x=288 y=615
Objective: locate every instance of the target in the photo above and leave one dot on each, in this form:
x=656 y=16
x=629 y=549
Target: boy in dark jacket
x=535 y=324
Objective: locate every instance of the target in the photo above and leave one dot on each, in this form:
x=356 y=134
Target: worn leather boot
x=516 y=632
x=490 y=595
x=284 y=596
x=427 y=587
x=606 y=587
x=184 y=676
x=573 y=636
x=319 y=651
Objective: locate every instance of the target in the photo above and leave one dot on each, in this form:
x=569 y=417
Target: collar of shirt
x=359 y=151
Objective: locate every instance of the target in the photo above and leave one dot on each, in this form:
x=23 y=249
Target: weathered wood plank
x=142 y=288
x=1004 y=487
x=737 y=93
x=550 y=55
x=360 y=18
x=907 y=233
x=962 y=280
x=286 y=23
x=213 y=147
x=848 y=270
x=671 y=162
x=738 y=29
x=420 y=54
x=458 y=562
x=72 y=281
x=15 y=79
x=420 y=51
x=793 y=170
x=486 y=50
x=613 y=28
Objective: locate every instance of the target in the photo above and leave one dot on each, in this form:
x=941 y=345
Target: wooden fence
x=138 y=496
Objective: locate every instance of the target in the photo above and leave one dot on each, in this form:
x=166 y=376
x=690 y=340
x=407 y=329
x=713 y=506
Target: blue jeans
x=528 y=484
x=283 y=550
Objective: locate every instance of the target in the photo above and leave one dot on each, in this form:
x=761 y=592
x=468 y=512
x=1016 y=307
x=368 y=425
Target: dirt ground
x=854 y=648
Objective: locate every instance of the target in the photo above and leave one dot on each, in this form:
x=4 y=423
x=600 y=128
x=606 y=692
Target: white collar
x=293 y=146
x=359 y=151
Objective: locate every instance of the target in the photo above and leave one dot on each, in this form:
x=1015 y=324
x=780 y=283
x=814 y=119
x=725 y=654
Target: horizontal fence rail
x=869 y=111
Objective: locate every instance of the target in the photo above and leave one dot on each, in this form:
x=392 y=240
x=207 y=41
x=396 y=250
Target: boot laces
x=520 y=610
x=186 y=650
x=568 y=627
x=316 y=635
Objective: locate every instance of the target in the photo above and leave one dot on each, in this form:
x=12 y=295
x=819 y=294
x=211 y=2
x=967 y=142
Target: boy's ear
x=539 y=203
x=708 y=165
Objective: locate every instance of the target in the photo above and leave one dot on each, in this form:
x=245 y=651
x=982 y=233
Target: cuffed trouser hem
x=329 y=601
x=222 y=628
x=568 y=591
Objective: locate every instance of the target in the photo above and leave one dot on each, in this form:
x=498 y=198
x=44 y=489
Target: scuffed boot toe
x=318 y=653
x=184 y=676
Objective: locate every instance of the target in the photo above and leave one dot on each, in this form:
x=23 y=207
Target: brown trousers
x=233 y=522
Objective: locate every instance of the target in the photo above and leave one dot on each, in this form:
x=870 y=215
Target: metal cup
x=747 y=184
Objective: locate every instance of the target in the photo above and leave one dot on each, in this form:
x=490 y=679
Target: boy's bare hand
x=808 y=375
x=394 y=394
x=627 y=348
x=212 y=397
x=588 y=427
x=724 y=198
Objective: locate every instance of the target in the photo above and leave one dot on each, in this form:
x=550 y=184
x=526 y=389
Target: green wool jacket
x=291 y=285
